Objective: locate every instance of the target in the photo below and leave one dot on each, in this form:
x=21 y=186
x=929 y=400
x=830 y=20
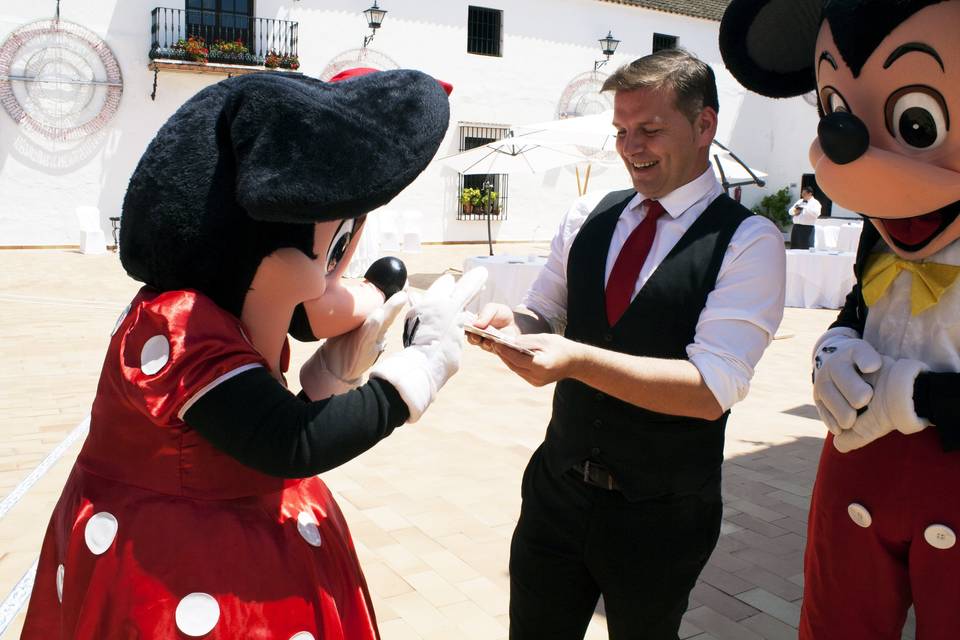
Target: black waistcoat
x=650 y=454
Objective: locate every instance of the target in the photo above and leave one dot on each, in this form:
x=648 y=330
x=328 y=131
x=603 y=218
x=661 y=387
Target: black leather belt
x=596 y=475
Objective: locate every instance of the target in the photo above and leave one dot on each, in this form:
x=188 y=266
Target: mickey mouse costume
x=885 y=510
x=194 y=509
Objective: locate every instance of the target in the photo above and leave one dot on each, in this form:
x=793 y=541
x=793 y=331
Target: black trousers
x=575 y=541
x=802 y=236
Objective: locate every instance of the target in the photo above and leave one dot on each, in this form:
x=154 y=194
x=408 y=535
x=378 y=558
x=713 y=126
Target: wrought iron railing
x=214 y=36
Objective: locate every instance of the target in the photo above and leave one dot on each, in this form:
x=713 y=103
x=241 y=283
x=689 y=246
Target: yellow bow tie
x=930 y=280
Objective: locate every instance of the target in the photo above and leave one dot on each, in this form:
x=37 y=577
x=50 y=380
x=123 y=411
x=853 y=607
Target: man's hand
x=891 y=407
x=554 y=357
x=496 y=315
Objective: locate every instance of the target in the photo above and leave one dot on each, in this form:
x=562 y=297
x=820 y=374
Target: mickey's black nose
x=388 y=274
x=843 y=137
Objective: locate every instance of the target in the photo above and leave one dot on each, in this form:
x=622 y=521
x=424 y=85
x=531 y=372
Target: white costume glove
x=839 y=364
x=434 y=333
x=891 y=408
x=338 y=365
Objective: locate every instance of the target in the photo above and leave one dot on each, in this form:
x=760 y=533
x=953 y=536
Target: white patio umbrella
x=596 y=132
x=512 y=155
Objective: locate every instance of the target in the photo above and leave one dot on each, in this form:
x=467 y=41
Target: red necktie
x=626 y=270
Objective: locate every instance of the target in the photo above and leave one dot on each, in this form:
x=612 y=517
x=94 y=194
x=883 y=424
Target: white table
x=818 y=279
x=837 y=237
x=508 y=281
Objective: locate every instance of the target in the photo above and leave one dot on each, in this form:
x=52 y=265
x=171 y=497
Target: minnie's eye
x=339 y=244
x=917 y=117
x=833 y=102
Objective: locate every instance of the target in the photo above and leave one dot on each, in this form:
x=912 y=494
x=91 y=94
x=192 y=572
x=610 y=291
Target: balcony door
x=226 y=20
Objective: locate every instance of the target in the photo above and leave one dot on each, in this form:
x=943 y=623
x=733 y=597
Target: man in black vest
x=666 y=295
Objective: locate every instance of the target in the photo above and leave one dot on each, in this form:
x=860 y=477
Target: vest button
x=608 y=337
x=598 y=423
x=595 y=451
x=599 y=396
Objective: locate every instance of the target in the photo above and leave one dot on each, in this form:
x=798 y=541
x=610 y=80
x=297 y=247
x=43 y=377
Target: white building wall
x=546 y=43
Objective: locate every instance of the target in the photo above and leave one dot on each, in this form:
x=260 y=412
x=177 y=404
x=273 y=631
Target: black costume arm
x=254 y=419
x=936 y=397
x=851 y=315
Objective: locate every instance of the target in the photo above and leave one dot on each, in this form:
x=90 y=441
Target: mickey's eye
x=917 y=117
x=340 y=243
x=833 y=102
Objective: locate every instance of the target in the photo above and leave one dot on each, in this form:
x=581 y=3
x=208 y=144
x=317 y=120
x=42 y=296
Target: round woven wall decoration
x=59 y=79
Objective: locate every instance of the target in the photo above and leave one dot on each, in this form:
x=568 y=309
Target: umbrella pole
x=586 y=179
x=489 y=232
x=579 y=188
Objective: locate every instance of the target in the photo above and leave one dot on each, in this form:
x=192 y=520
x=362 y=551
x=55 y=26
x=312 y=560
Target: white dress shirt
x=741 y=314
x=809 y=211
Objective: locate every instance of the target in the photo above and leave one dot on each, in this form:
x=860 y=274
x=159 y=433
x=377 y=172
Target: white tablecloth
x=818 y=279
x=837 y=237
x=509 y=278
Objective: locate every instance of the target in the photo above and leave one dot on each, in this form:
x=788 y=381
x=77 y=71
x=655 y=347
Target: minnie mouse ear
x=769 y=45
x=312 y=151
x=346 y=74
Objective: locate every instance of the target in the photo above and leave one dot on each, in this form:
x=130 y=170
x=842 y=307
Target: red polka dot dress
x=158 y=534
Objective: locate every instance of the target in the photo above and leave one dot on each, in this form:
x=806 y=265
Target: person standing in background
x=803 y=215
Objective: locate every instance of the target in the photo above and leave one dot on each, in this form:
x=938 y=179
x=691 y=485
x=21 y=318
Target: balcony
x=201 y=41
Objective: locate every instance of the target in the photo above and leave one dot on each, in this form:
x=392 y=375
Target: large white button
x=197 y=614
x=940 y=536
x=100 y=531
x=859 y=514
x=308 y=528
x=154 y=355
x=120 y=320
x=60 y=583
x=303 y=635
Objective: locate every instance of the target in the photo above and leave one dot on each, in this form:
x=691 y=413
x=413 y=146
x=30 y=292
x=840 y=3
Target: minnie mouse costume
x=194 y=508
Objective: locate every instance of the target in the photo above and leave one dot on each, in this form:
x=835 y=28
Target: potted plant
x=774 y=206
x=193 y=48
x=272 y=60
x=230 y=51
x=290 y=61
x=469 y=199
x=489 y=202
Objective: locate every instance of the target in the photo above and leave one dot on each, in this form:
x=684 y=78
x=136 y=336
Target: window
x=472 y=136
x=226 y=20
x=484 y=31
x=661 y=41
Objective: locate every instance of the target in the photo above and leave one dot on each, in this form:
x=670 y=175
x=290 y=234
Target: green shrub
x=774 y=206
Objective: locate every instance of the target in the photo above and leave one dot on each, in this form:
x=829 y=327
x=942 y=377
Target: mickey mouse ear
x=769 y=45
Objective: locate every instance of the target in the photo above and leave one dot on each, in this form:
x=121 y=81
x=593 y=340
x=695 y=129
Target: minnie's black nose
x=843 y=137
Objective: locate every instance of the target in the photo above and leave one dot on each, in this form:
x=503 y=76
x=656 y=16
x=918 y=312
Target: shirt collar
x=682 y=198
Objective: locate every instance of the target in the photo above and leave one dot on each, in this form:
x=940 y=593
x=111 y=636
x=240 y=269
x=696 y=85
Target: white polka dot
x=100 y=531
x=155 y=353
x=197 y=614
x=60 y=583
x=120 y=320
x=307 y=526
x=303 y=635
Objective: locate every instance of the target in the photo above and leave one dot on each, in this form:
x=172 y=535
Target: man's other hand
x=496 y=315
x=553 y=359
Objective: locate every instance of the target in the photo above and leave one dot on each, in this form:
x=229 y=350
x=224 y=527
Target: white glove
x=839 y=364
x=891 y=408
x=338 y=365
x=434 y=332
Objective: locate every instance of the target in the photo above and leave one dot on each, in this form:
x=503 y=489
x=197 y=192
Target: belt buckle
x=586 y=471
x=596 y=483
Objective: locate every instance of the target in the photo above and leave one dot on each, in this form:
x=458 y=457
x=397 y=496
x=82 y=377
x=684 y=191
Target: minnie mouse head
x=255 y=191
x=887 y=77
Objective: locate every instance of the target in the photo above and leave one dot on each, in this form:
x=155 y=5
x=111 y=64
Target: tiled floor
x=433 y=506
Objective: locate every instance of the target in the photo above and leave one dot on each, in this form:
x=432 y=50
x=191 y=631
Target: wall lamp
x=609 y=46
x=374 y=17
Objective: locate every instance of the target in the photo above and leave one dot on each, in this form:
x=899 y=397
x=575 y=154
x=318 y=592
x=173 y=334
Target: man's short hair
x=807 y=190
x=691 y=79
